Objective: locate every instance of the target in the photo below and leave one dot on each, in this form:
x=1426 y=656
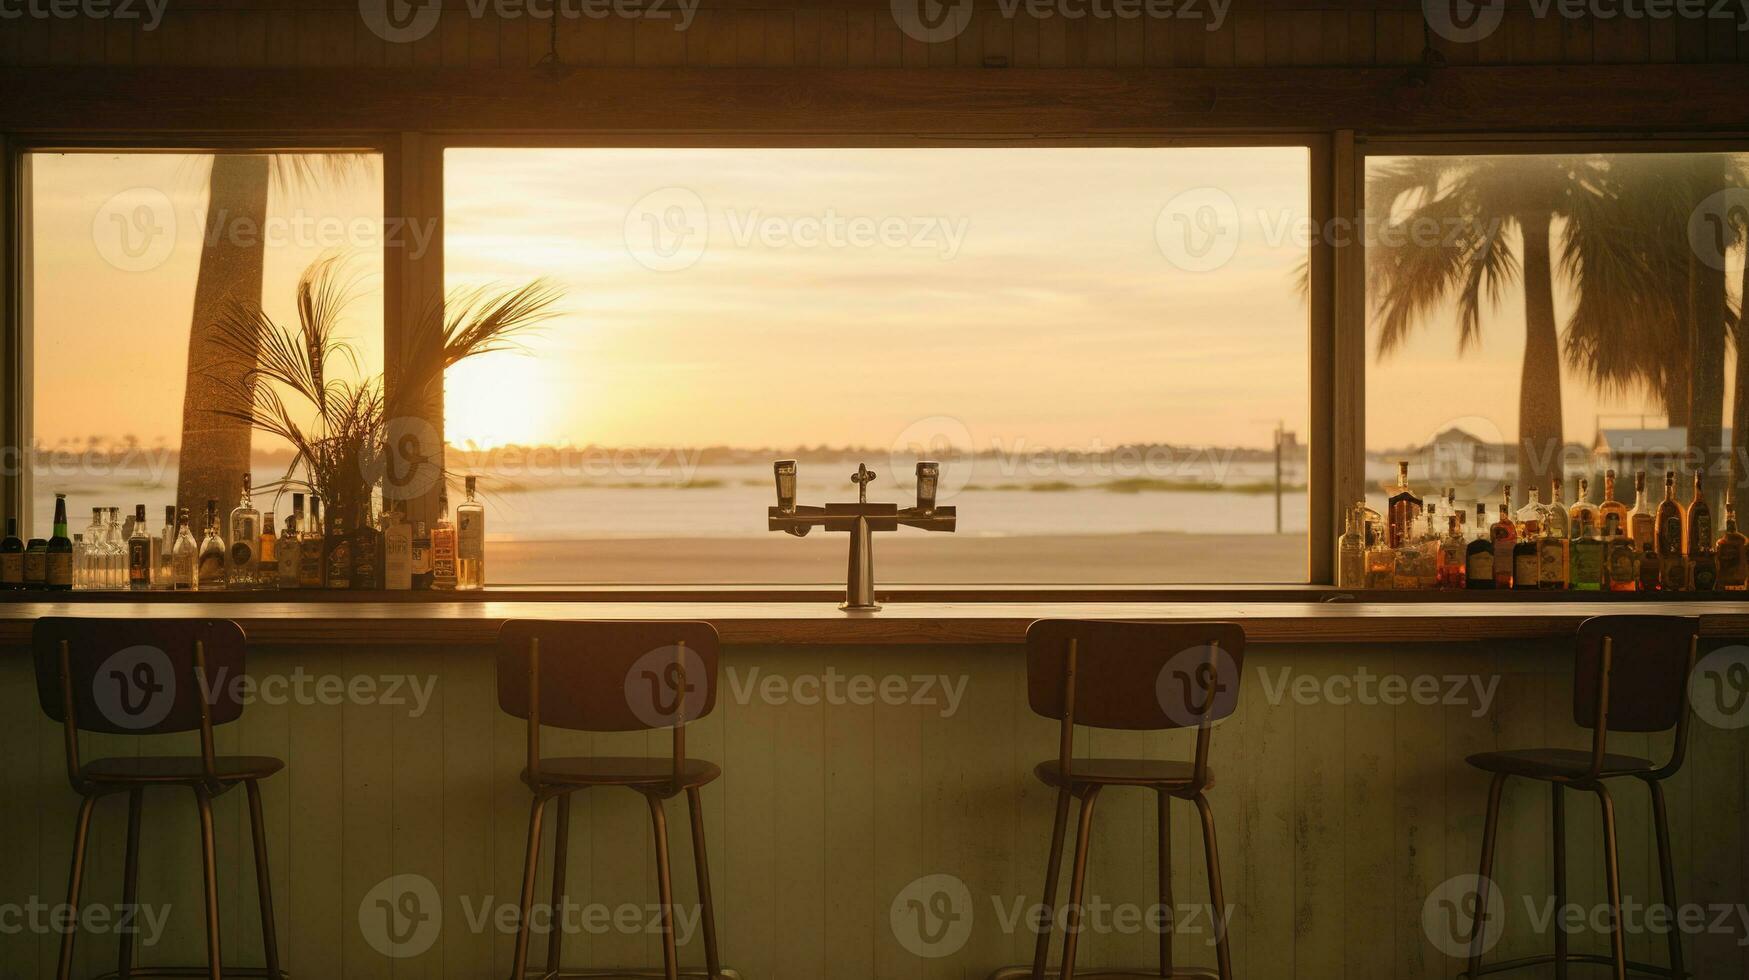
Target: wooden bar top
x=399 y=623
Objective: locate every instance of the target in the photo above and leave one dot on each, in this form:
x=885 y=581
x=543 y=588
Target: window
x=1105 y=347
x=130 y=251
x=1541 y=318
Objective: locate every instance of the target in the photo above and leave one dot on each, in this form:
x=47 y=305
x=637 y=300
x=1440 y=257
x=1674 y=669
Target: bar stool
x=1631 y=674
x=154 y=677
x=1136 y=677
x=611 y=677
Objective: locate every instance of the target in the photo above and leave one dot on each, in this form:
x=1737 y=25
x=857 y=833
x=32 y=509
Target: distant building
x=1652 y=450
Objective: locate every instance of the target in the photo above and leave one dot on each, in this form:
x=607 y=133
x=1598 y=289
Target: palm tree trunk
x=215 y=450
x=1740 y=402
x=1706 y=359
x=1540 y=433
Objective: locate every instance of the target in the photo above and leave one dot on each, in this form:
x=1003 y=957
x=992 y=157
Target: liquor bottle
x=443 y=548
x=1651 y=570
x=1452 y=508
x=1504 y=534
x=267 y=555
x=1642 y=522
x=1611 y=506
x=166 y=550
x=115 y=551
x=11 y=557
x=1479 y=557
x=1697 y=521
x=58 y=554
x=1553 y=555
x=1451 y=554
x=1351 y=556
x=1621 y=560
x=1555 y=516
x=398 y=551
x=1667 y=537
x=1381 y=566
x=81 y=555
x=1673 y=572
x=337 y=557
x=1411 y=561
x=312 y=569
x=1703 y=571
x=140 y=565
x=36 y=563
x=209 y=570
x=184 y=557
x=1432 y=541
x=1587 y=557
x=1583 y=508
x=88 y=563
x=367 y=553
x=245 y=527
x=421 y=556
x=285 y=554
x=1733 y=554
x=1403 y=509
x=1526 y=559
x=1533 y=517
x=470 y=542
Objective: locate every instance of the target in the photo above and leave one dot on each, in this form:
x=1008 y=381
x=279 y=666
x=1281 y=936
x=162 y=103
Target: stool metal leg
x=1223 y=957
x=707 y=909
x=1164 y=843
x=130 y=883
x=1485 y=876
x=1612 y=868
x=1666 y=870
x=665 y=884
x=263 y=881
x=561 y=856
x=81 y=832
x=530 y=863
x=1558 y=799
x=210 y=863
x=1053 y=868
x=1077 y=881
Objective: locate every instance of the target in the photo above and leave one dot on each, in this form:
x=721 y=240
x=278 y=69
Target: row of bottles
x=1667 y=547
x=386 y=552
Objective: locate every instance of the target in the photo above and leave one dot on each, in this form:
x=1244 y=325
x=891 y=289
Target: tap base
x=848 y=606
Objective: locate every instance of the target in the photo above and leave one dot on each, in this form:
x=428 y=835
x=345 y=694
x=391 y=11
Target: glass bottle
x=1673 y=572
x=1451 y=574
x=140 y=566
x=1703 y=570
x=1583 y=508
x=184 y=557
x=166 y=550
x=470 y=542
x=285 y=555
x=1613 y=507
x=1697 y=521
x=89 y=567
x=115 y=551
x=398 y=551
x=1504 y=534
x=1381 y=566
x=1651 y=570
x=58 y=553
x=11 y=557
x=1667 y=537
x=1526 y=563
x=267 y=555
x=422 y=574
x=1642 y=522
x=1403 y=509
x=1733 y=554
x=209 y=572
x=312 y=568
x=1555 y=515
x=1479 y=556
x=1533 y=516
x=1587 y=557
x=443 y=548
x=36 y=563
x=1621 y=561
x=337 y=556
x=81 y=561
x=245 y=537
x=367 y=553
x=1351 y=555
x=1553 y=554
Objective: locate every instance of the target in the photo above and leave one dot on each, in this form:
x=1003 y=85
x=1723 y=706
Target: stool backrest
x=138 y=677
x=1631 y=674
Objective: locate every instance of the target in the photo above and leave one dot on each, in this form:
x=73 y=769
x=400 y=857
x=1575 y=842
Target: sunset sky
x=1031 y=297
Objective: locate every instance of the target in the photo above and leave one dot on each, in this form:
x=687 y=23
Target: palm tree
x=1446 y=238
x=215 y=447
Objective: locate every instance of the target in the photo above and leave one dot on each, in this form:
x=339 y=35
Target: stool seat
x=607 y=770
x=1161 y=773
x=1558 y=764
x=176 y=769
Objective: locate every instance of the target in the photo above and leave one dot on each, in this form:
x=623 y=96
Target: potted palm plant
x=345 y=435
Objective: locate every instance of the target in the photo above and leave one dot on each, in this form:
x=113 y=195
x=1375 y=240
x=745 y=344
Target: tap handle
x=862 y=478
x=928 y=476
x=785 y=472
